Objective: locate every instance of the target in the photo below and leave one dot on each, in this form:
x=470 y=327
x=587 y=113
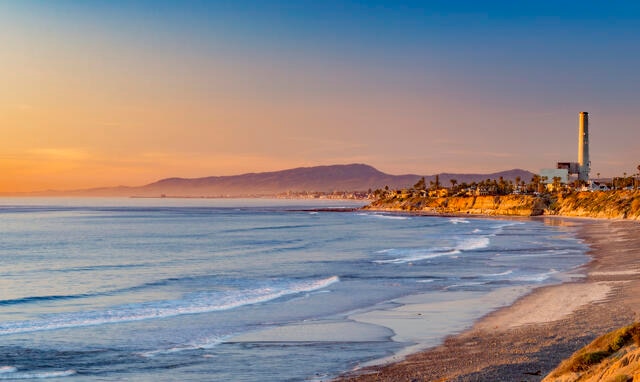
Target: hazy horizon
x=248 y=191
x=107 y=93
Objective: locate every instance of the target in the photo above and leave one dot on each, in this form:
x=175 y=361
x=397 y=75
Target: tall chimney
x=583 y=146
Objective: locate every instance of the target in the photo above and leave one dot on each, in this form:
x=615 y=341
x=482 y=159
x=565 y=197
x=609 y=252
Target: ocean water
x=164 y=290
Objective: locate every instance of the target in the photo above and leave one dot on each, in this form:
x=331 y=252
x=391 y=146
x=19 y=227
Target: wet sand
x=526 y=340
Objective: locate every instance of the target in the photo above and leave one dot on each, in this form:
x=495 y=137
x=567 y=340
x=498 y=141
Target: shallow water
x=243 y=290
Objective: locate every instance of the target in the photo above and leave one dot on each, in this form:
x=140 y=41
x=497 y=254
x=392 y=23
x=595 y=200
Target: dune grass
x=600 y=349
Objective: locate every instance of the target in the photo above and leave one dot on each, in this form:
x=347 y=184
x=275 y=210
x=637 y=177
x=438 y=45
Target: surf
x=202 y=302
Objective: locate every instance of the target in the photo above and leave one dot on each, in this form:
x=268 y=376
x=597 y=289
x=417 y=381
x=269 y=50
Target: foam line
x=412 y=255
x=14 y=375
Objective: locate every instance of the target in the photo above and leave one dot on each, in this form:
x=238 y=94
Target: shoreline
x=527 y=339
x=412 y=321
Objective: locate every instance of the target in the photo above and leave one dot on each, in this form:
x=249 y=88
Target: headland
x=622 y=204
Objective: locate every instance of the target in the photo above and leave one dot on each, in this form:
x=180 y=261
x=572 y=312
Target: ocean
x=245 y=290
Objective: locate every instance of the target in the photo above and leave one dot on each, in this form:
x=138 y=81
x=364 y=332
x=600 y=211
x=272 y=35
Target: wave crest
x=412 y=255
x=12 y=373
x=203 y=302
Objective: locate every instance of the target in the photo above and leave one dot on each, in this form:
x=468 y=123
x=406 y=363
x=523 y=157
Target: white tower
x=583 y=146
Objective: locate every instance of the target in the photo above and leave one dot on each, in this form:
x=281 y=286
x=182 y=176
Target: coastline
x=526 y=340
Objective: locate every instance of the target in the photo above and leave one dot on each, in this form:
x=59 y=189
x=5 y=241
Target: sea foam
x=12 y=373
x=412 y=255
x=206 y=343
x=383 y=216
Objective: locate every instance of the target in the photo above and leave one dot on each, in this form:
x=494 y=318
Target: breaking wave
x=12 y=373
x=201 y=302
x=412 y=255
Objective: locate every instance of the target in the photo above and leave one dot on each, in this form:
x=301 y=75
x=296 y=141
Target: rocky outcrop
x=614 y=357
x=612 y=204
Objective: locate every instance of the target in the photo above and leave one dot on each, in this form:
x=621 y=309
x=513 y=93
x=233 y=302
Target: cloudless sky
x=101 y=93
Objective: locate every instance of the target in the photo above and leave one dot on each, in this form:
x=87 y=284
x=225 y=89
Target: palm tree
x=501 y=186
x=421 y=185
x=453 y=183
x=535 y=182
x=543 y=184
x=435 y=185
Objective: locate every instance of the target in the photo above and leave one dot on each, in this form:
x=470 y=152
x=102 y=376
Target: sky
x=106 y=93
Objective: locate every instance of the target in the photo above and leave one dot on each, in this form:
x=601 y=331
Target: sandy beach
x=525 y=340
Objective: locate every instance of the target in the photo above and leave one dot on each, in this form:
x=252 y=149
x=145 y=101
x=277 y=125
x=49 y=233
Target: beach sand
x=526 y=340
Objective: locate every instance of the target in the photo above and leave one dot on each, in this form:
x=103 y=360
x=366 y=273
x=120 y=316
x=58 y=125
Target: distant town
x=536 y=186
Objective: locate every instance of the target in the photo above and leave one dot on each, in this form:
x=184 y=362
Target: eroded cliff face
x=618 y=204
x=608 y=205
x=511 y=205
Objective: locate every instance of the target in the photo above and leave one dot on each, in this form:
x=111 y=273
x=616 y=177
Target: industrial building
x=582 y=167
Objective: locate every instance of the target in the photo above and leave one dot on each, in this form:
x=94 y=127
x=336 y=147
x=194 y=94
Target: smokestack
x=583 y=146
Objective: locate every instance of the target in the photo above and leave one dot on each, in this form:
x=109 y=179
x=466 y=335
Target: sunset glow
x=106 y=93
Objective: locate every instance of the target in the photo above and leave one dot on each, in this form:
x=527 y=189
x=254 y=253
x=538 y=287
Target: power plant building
x=583 y=166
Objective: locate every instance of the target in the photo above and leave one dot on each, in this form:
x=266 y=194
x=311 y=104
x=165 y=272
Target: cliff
x=613 y=357
x=514 y=205
x=617 y=204
x=608 y=205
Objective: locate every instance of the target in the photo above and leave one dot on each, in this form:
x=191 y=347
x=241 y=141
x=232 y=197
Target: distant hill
x=351 y=177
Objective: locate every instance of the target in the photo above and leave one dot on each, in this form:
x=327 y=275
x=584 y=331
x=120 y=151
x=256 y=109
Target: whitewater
x=244 y=290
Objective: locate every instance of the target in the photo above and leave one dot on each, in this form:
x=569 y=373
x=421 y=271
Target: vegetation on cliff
x=614 y=356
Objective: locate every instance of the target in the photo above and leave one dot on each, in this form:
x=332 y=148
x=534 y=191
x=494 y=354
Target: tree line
x=536 y=185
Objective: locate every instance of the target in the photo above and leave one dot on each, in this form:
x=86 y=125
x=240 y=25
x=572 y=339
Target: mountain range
x=351 y=177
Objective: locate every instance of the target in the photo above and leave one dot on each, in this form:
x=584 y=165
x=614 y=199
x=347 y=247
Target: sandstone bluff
x=608 y=205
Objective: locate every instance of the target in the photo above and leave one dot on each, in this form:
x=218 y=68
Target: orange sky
x=107 y=98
